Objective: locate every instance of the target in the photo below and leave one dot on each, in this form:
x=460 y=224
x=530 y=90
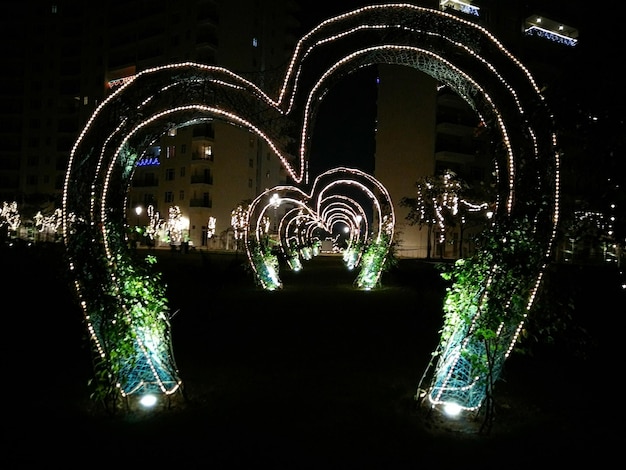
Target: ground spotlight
x=452 y=409
x=148 y=401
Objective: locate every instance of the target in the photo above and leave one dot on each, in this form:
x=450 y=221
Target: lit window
x=255 y=42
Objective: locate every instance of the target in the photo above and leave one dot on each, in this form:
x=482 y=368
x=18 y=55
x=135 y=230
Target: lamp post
x=138 y=211
x=275 y=202
x=135 y=233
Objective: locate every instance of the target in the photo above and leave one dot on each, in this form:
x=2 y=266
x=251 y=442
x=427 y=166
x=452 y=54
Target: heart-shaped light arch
x=330 y=206
x=113 y=287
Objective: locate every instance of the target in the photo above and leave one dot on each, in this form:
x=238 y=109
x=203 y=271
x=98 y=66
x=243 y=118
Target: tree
x=441 y=200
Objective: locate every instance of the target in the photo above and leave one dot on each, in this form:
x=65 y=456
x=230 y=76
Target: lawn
x=316 y=375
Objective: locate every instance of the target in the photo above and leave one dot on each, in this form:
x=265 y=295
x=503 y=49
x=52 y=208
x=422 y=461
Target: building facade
x=425 y=129
x=66 y=57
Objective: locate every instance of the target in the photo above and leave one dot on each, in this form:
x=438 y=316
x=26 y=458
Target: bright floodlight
x=148 y=401
x=452 y=409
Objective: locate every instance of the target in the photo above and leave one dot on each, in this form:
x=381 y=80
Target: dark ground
x=315 y=376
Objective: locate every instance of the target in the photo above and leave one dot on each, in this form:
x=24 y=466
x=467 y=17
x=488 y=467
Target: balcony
x=202 y=156
x=202 y=179
x=454 y=157
x=139 y=182
x=546 y=28
x=459 y=6
x=208 y=203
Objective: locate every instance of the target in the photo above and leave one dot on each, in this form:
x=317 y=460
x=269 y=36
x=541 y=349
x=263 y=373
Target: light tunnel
x=304 y=216
x=125 y=309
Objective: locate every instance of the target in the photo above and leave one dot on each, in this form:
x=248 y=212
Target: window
x=255 y=42
x=31 y=180
x=148 y=200
x=170 y=151
x=251 y=163
x=181 y=195
x=249 y=182
x=182 y=171
x=183 y=148
x=208 y=152
x=169 y=174
x=169 y=196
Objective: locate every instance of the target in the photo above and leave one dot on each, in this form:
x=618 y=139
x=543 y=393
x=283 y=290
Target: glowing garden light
x=148 y=401
x=452 y=409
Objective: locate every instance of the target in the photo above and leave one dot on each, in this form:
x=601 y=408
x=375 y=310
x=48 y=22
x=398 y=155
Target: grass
x=316 y=375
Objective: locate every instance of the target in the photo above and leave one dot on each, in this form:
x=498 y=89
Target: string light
x=139 y=110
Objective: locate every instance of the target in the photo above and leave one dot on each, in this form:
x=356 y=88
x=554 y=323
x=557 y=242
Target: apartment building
x=67 y=56
x=425 y=129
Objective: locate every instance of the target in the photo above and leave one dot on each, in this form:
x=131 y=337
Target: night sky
x=587 y=83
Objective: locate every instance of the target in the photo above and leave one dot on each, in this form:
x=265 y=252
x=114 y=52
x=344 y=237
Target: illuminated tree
x=440 y=203
x=48 y=224
x=155 y=224
x=210 y=227
x=174 y=225
x=10 y=217
x=239 y=223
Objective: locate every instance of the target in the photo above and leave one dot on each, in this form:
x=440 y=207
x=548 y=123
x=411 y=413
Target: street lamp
x=275 y=202
x=138 y=211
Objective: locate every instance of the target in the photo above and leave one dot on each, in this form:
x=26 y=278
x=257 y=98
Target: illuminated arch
x=482 y=318
x=330 y=202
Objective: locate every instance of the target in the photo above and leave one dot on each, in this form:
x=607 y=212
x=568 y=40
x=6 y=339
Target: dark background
x=316 y=375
